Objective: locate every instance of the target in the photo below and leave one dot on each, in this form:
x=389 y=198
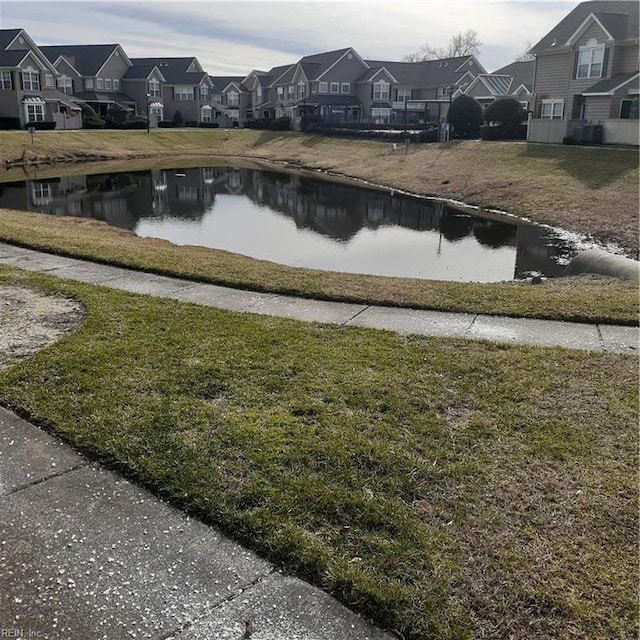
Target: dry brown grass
x=584 y=190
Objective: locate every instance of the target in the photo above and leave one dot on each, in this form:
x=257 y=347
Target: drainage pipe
x=603 y=263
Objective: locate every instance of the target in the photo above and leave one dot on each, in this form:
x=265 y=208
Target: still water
x=302 y=221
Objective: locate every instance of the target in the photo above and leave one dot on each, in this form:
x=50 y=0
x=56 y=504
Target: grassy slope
x=586 y=299
x=451 y=489
x=585 y=190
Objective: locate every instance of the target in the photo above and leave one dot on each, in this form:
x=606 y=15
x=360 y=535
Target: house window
x=204 y=94
x=153 y=87
x=48 y=80
x=232 y=98
x=5 y=79
x=205 y=115
x=381 y=116
x=404 y=95
x=157 y=112
x=552 y=109
x=116 y=84
x=34 y=112
x=629 y=109
x=65 y=85
x=290 y=92
x=99 y=83
x=183 y=93
x=88 y=83
x=302 y=88
x=30 y=80
x=107 y=83
x=381 y=90
x=345 y=87
x=280 y=92
x=324 y=87
x=590 y=59
x=334 y=87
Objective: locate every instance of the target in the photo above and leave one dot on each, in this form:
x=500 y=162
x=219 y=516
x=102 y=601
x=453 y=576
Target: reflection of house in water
x=333 y=209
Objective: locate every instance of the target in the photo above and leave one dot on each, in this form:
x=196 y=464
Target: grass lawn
x=583 y=299
x=449 y=489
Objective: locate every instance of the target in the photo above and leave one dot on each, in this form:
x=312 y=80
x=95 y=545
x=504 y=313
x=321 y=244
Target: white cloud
x=231 y=38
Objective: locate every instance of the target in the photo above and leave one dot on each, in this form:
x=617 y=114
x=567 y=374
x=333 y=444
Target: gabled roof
x=521 y=72
x=175 y=70
x=16 y=55
x=609 y=86
x=618 y=17
x=220 y=83
x=428 y=73
x=142 y=72
x=317 y=64
x=88 y=59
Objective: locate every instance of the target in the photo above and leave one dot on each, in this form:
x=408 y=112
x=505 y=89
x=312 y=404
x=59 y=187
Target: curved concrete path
x=545 y=333
x=87 y=554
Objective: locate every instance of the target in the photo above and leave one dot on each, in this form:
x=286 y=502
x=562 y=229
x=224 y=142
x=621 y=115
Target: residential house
x=186 y=89
x=93 y=73
x=587 y=76
x=231 y=101
x=28 y=91
x=405 y=92
x=512 y=81
x=144 y=83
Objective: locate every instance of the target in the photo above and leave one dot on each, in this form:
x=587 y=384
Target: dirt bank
x=30 y=320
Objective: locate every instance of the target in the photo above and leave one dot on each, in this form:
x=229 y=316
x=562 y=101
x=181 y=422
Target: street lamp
x=148 y=114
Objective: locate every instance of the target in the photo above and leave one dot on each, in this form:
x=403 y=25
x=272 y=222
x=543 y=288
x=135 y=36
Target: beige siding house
x=586 y=79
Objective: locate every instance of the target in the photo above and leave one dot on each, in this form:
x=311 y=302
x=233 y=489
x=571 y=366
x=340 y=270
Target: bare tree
x=525 y=56
x=465 y=43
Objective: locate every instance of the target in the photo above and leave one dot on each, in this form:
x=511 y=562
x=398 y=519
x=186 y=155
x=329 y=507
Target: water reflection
x=336 y=226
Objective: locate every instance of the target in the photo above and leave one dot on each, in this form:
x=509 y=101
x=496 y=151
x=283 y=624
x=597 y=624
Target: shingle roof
x=521 y=72
x=7 y=36
x=85 y=58
x=619 y=17
x=609 y=84
x=141 y=71
x=11 y=58
x=429 y=73
x=336 y=101
x=98 y=96
x=173 y=69
x=221 y=82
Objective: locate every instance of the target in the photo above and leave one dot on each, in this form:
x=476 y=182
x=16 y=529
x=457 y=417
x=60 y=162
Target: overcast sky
x=232 y=38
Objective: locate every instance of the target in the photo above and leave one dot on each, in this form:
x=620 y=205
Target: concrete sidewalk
x=547 y=333
x=85 y=554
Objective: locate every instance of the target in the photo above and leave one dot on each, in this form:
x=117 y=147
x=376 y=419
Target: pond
x=302 y=220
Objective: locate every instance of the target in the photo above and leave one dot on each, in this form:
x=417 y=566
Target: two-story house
x=402 y=92
x=231 y=100
x=587 y=73
x=186 y=89
x=28 y=86
x=94 y=74
x=144 y=83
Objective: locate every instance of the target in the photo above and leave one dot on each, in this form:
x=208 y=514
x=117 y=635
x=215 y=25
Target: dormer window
x=590 y=60
x=65 y=84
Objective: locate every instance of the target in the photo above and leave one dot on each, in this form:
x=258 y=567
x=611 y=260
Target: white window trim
x=334 y=87
x=381 y=90
x=30 y=79
x=38 y=112
x=99 y=83
x=323 y=87
x=88 y=83
x=6 y=81
x=183 y=93
x=553 y=113
x=591 y=59
x=153 y=87
x=345 y=87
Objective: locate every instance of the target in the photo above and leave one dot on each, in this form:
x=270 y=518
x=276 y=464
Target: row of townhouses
x=585 y=70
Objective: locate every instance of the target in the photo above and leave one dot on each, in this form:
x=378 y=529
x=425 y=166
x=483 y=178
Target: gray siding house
x=587 y=73
x=186 y=88
x=512 y=81
x=28 y=85
x=93 y=73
